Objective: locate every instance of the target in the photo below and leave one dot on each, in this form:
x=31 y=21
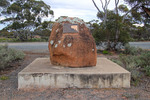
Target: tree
x=107 y=34
x=25 y=16
x=113 y=27
x=3 y=5
x=146 y=10
x=44 y=30
x=104 y=7
x=5 y=33
x=133 y=3
x=137 y=5
x=140 y=16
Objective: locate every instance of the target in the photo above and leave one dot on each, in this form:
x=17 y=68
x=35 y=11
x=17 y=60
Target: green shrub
x=106 y=52
x=138 y=65
x=144 y=62
x=145 y=59
x=132 y=50
x=4 y=78
x=117 y=61
x=45 y=39
x=131 y=96
x=8 y=55
x=29 y=40
x=128 y=62
x=130 y=65
x=147 y=70
x=135 y=74
x=3 y=39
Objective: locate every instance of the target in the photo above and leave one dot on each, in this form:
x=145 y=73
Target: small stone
x=51 y=42
x=69 y=45
x=64 y=46
x=59 y=42
x=92 y=49
x=57 y=30
x=56 y=45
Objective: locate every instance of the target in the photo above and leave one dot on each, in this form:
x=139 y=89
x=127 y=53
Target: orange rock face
x=71 y=44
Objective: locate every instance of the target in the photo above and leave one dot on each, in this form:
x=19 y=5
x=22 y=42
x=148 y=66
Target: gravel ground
x=8 y=88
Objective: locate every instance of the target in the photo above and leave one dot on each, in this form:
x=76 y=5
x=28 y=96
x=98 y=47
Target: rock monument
x=71 y=43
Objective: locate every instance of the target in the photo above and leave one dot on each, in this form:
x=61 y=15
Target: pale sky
x=83 y=9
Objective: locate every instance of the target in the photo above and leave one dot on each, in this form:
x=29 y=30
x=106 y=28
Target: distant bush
x=3 y=39
x=132 y=50
x=8 y=55
x=145 y=62
x=43 y=39
x=145 y=58
x=4 y=78
x=35 y=40
x=106 y=52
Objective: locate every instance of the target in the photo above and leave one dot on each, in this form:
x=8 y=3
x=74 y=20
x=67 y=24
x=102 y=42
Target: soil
x=9 y=91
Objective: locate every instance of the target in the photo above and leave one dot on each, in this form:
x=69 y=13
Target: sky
x=83 y=9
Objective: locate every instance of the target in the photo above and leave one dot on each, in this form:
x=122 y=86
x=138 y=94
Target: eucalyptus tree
x=112 y=25
x=104 y=4
x=140 y=16
x=25 y=16
x=138 y=13
x=3 y=6
x=109 y=35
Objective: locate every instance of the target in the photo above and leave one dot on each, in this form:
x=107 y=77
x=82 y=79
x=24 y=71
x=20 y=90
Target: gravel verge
x=9 y=91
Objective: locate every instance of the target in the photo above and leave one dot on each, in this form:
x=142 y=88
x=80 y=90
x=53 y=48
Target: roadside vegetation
x=135 y=60
x=27 y=21
x=9 y=56
x=4 y=39
x=4 y=78
x=114 y=29
x=125 y=23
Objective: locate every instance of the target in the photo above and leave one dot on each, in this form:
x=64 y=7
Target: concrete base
x=41 y=74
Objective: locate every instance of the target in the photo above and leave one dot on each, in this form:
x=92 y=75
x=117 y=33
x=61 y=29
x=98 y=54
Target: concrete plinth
x=41 y=74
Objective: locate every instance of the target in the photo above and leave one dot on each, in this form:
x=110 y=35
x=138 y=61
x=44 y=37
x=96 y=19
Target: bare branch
x=108 y=2
x=117 y=2
x=105 y=4
x=102 y=4
x=104 y=7
x=136 y=6
x=96 y=6
x=116 y=6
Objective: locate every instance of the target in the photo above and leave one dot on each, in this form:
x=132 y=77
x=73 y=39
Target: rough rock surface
x=71 y=43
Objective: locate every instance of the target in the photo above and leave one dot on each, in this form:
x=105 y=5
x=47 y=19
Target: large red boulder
x=71 y=43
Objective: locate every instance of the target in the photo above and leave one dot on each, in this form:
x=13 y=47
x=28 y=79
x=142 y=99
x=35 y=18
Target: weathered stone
x=71 y=44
